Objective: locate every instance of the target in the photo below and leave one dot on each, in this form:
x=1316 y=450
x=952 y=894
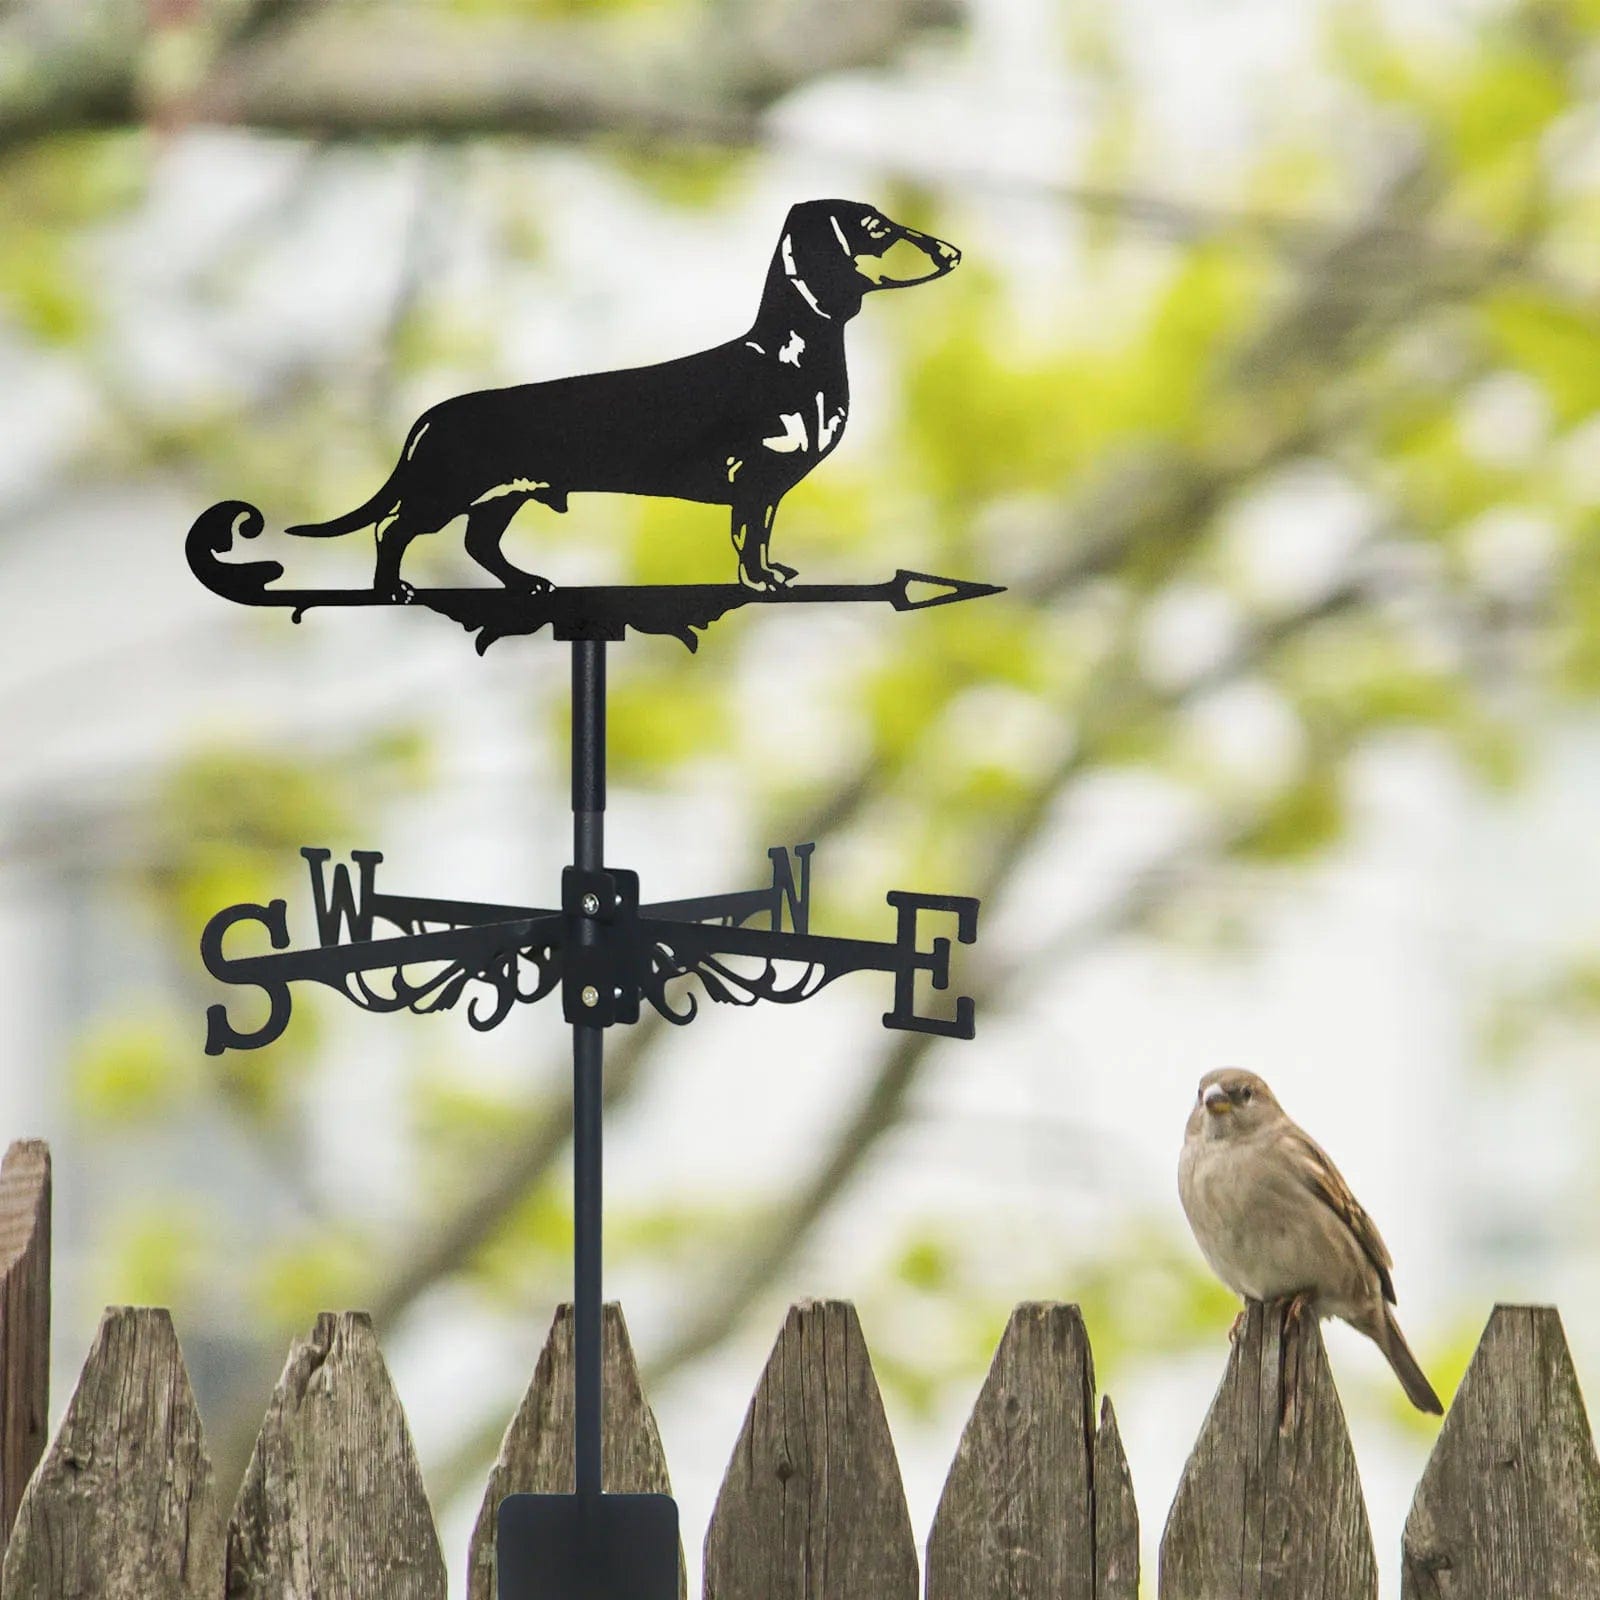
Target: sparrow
x=1276 y=1221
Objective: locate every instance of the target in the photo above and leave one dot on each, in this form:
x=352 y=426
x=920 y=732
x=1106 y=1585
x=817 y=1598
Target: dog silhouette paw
x=763 y=580
x=400 y=592
x=529 y=583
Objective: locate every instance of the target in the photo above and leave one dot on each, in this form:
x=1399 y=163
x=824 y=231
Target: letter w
x=344 y=907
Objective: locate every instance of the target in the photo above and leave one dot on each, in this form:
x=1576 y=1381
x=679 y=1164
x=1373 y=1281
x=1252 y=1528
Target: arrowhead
x=915 y=591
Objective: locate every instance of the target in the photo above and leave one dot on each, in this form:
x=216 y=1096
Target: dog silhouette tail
x=363 y=516
x=369 y=511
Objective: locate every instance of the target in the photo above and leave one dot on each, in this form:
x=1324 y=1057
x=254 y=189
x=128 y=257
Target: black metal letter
x=220 y=1033
x=935 y=962
x=344 y=907
x=784 y=892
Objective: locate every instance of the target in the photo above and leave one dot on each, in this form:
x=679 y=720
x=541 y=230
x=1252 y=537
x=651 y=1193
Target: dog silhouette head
x=833 y=252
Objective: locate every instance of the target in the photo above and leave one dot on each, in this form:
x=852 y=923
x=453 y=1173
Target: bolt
x=591 y=905
x=590 y=996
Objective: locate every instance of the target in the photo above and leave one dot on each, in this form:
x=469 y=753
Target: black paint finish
x=738 y=425
x=600 y=611
x=587 y=1547
x=606 y=961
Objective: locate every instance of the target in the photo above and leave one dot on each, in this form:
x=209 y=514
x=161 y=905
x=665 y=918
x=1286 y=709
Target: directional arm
x=606 y=951
x=678 y=950
x=505 y=954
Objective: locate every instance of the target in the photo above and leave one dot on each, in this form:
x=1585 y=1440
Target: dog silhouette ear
x=816 y=255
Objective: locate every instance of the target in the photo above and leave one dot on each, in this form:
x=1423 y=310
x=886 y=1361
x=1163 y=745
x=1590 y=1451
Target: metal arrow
x=596 y=612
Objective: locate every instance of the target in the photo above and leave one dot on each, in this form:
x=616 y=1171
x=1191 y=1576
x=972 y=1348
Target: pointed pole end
x=916 y=591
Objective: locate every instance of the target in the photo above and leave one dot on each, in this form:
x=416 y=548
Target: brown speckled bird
x=1276 y=1221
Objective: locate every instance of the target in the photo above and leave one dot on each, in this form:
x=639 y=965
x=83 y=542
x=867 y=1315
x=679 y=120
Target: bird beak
x=1216 y=1100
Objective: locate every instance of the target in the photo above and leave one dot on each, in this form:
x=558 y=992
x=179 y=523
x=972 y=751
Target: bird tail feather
x=1412 y=1378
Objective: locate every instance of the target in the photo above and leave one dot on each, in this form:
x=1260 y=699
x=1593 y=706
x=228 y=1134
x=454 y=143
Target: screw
x=590 y=996
x=591 y=905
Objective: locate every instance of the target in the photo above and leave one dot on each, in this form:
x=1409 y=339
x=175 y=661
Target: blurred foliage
x=50 y=195
x=227 y=821
x=297 y=1276
x=156 y=1251
x=1562 y=1004
x=943 y=1305
x=458 y=1125
x=1407 y=311
x=132 y=1069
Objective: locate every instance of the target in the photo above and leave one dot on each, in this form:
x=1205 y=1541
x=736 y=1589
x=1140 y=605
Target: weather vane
x=737 y=425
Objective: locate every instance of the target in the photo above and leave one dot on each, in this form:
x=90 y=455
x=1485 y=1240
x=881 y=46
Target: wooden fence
x=1038 y=1504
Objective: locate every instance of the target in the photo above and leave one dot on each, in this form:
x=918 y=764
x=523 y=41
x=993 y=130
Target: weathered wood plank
x=24 y=1321
x=124 y=1505
x=1509 y=1504
x=1020 y=1517
x=812 y=1506
x=1269 y=1506
x=332 y=1501
x=1116 y=1516
x=536 y=1453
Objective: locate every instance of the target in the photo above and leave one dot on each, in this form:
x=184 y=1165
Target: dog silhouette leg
x=486 y=524
x=394 y=534
x=752 y=532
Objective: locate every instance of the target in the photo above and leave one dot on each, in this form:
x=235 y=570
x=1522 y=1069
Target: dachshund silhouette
x=738 y=425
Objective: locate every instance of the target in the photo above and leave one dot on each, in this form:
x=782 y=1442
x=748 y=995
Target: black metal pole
x=588 y=846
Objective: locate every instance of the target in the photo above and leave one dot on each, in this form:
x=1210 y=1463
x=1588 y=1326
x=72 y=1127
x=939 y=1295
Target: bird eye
x=1246 y=1094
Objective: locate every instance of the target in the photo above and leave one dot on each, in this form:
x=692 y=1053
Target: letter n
x=784 y=891
x=344 y=907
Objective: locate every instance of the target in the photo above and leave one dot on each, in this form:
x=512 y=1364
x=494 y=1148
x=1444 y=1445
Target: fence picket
x=1509 y=1503
x=332 y=1501
x=1038 y=1502
x=1018 y=1518
x=1116 y=1515
x=812 y=1506
x=124 y=1505
x=536 y=1453
x=1269 y=1506
x=24 y=1320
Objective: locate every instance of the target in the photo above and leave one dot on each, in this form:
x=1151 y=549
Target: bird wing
x=1324 y=1180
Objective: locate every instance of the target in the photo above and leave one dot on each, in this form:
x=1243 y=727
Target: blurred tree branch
x=1164 y=500
x=340 y=71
